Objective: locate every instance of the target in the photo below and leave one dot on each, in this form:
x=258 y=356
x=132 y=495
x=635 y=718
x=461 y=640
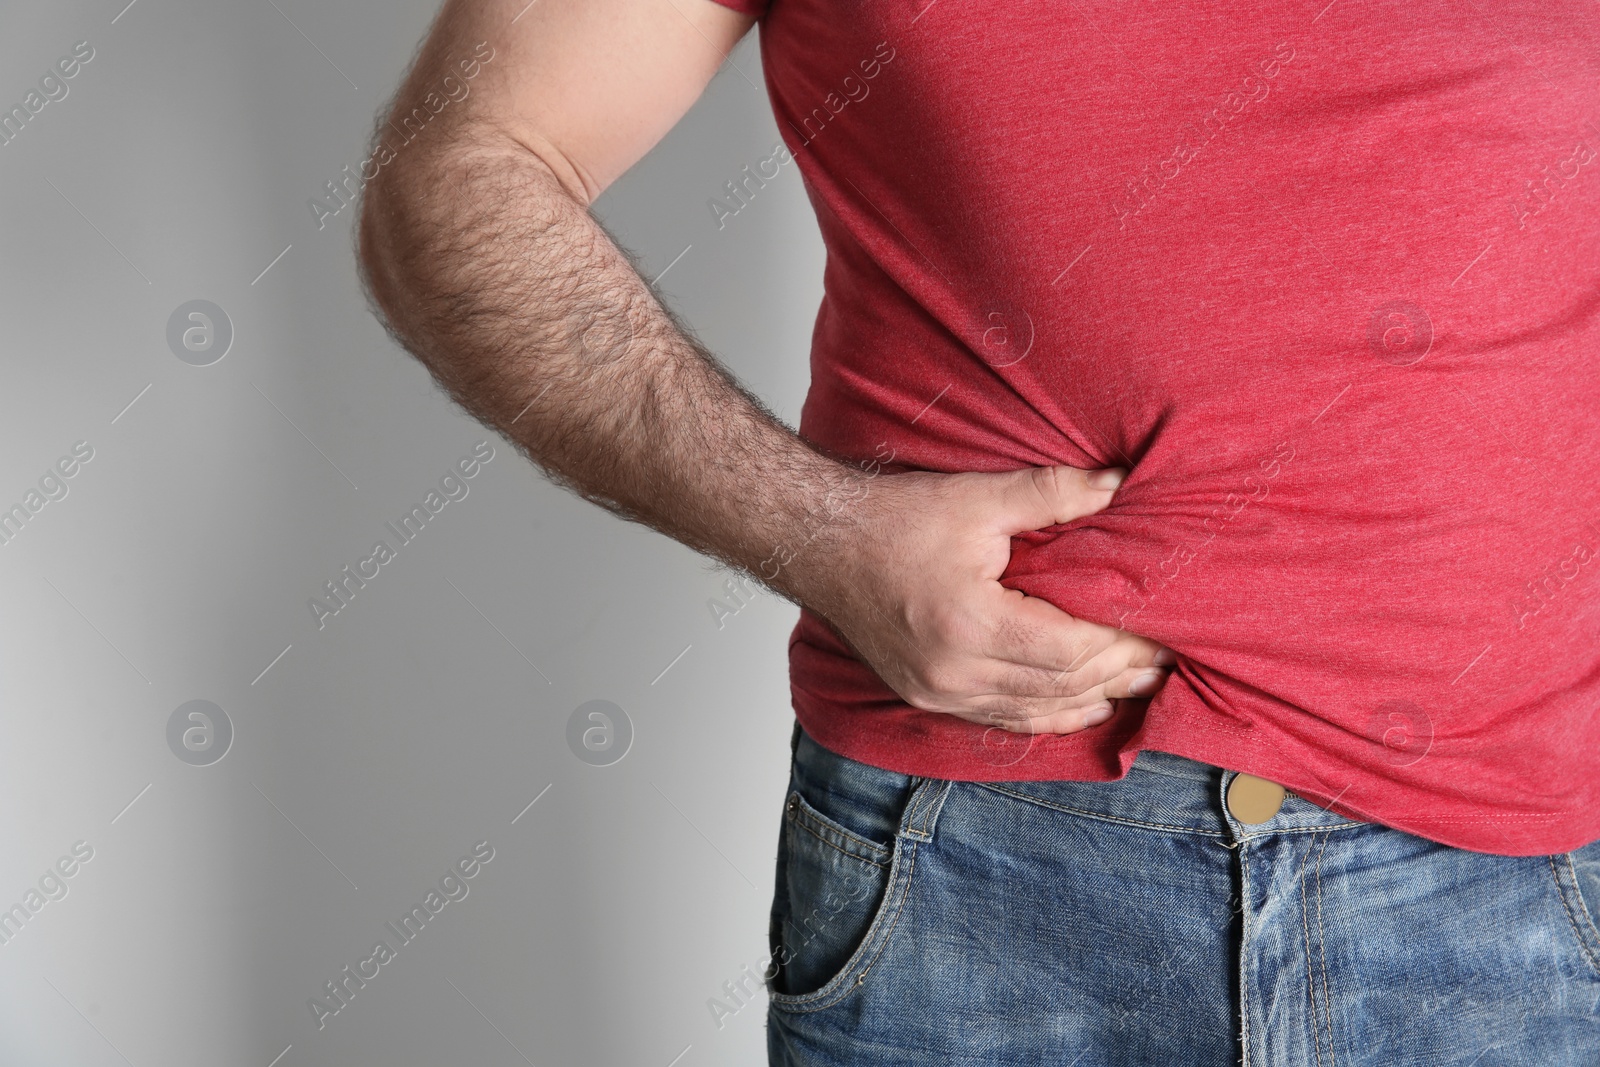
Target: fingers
x=1035 y=497
x=1140 y=682
x=1035 y=633
x=1068 y=721
x=1072 y=720
x=1020 y=697
x=959 y=642
x=1008 y=701
x=1054 y=654
x=1047 y=689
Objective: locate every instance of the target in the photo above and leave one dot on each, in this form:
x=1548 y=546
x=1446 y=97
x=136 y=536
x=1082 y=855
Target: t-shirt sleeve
x=749 y=7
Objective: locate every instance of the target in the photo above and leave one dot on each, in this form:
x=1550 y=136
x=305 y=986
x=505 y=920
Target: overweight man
x=1194 y=515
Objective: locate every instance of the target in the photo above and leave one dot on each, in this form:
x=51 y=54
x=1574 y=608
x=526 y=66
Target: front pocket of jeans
x=1577 y=876
x=833 y=898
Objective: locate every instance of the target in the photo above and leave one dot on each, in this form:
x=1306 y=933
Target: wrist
x=817 y=550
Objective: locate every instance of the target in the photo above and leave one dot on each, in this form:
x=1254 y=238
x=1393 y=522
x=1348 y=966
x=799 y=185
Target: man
x=1320 y=281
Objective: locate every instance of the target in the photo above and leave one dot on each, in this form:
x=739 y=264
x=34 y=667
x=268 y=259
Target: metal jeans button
x=1254 y=800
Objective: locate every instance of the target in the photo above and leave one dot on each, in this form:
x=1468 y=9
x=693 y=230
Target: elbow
x=427 y=214
x=399 y=222
x=388 y=222
x=419 y=197
x=374 y=254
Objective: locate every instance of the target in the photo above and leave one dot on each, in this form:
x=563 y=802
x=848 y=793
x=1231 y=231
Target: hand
x=908 y=573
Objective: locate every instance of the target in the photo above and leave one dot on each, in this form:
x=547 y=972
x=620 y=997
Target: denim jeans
x=920 y=921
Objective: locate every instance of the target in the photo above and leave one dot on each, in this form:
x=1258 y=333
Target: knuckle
x=1045 y=482
x=929 y=623
x=1047 y=683
x=1057 y=484
x=1009 y=714
x=940 y=632
x=944 y=684
x=937 y=682
x=1011 y=629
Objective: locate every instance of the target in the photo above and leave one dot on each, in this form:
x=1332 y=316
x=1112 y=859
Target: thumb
x=1036 y=497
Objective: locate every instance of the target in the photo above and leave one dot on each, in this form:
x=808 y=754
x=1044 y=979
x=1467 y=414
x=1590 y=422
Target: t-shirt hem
x=1107 y=753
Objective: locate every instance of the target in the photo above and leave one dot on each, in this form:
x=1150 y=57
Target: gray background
x=426 y=715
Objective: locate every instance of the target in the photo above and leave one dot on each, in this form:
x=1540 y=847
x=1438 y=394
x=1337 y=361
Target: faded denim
x=919 y=921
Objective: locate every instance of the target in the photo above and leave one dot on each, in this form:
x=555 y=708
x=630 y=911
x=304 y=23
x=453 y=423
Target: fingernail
x=1096 y=714
x=1166 y=658
x=1109 y=478
x=1147 y=683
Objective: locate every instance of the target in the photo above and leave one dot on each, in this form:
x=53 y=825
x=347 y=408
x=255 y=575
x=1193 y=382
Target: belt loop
x=922 y=810
x=794 y=739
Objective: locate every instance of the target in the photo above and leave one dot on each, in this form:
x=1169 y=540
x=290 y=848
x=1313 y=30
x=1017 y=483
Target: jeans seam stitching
x=921 y=801
x=883 y=943
x=1577 y=931
x=1322 y=954
x=1301 y=830
x=1099 y=815
x=1311 y=980
x=834 y=845
x=1578 y=892
x=1244 y=955
x=802 y=818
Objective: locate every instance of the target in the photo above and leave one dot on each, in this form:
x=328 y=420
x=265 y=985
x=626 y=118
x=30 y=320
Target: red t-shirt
x=1326 y=278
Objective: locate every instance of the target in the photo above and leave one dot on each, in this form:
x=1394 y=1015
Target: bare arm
x=479 y=251
x=479 y=248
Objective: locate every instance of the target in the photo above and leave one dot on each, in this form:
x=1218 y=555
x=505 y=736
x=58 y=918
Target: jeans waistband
x=1161 y=790
x=1159 y=762
x=1167 y=791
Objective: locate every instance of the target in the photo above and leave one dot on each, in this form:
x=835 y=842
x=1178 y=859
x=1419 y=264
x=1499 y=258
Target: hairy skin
x=538 y=325
x=480 y=256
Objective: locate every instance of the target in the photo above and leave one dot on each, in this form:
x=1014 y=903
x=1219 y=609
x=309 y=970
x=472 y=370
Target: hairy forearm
x=492 y=274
